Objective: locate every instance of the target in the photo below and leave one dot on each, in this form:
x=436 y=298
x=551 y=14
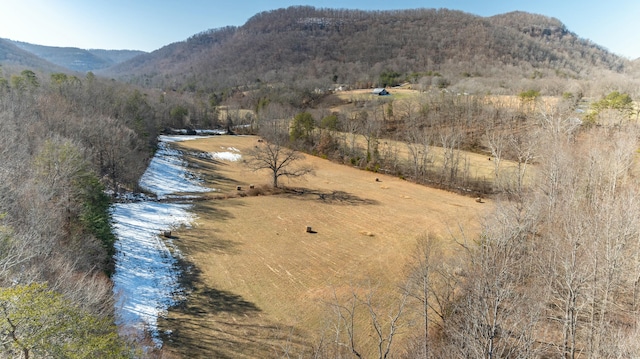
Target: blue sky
x=150 y=24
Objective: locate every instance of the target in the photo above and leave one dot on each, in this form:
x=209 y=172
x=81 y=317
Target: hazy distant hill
x=13 y=56
x=300 y=44
x=76 y=59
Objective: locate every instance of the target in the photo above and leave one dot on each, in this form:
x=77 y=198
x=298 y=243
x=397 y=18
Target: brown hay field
x=344 y=100
x=402 y=92
x=261 y=285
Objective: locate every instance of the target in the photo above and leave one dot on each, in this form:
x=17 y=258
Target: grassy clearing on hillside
x=406 y=99
x=347 y=99
x=262 y=285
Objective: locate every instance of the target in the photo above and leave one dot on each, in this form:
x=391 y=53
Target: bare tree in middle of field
x=272 y=154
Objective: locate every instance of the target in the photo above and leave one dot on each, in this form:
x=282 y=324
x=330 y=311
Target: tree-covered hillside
x=309 y=47
x=76 y=59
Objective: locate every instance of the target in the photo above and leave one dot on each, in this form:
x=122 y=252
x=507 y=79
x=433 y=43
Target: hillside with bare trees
x=312 y=48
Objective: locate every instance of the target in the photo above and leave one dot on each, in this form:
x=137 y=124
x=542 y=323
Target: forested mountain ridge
x=12 y=55
x=77 y=59
x=306 y=44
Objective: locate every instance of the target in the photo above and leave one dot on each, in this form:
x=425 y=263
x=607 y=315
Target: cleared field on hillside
x=407 y=96
x=262 y=284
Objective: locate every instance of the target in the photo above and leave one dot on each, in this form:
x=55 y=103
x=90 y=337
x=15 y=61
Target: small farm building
x=380 y=91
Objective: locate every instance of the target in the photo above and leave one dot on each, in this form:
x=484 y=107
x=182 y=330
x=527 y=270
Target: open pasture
x=262 y=284
x=406 y=98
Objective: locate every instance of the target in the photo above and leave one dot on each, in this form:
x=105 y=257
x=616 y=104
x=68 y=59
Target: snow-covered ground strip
x=211 y=132
x=190 y=132
x=167 y=171
x=146 y=275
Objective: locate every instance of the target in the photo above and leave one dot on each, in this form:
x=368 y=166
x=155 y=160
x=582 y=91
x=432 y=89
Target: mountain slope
x=303 y=44
x=12 y=55
x=76 y=59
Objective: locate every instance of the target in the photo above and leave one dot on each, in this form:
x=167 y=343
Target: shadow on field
x=208 y=207
x=330 y=197
x=214 y=323
x=210 y=174
x=207 y=299
x=211 y=243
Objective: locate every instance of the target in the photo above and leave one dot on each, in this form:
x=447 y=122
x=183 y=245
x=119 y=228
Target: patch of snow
x=128 y=196
x=167 y=173
x=177 y=138
x=211 y=132
x=226 y=156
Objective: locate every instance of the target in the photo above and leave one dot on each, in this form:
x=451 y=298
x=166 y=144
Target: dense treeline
x=554 y=273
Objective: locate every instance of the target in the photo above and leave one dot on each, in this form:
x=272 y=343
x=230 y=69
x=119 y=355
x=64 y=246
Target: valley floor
x=262 y=286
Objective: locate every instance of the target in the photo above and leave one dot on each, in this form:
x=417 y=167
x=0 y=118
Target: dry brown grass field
x=262 y=285
x=407 y=93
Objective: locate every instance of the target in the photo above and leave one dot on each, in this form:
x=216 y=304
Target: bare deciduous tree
x=272 y=154
x=497 y=143
x=279 y=160
x=425 y=267
x=350 y=330
x=418 y=144
x=450 y=142
x=494 y=315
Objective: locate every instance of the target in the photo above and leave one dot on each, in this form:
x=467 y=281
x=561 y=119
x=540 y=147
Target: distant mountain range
x=70 y=58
